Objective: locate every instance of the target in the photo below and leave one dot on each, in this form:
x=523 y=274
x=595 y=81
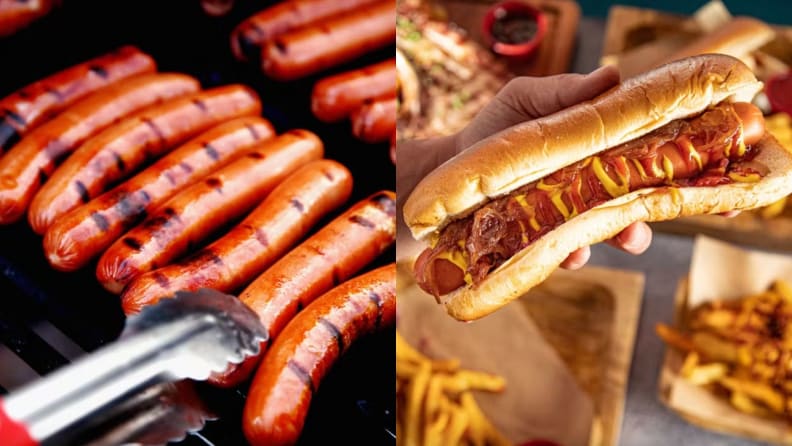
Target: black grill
x=48 y=319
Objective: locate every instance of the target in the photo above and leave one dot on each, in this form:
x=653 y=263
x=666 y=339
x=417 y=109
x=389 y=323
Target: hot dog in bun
x=680 y=140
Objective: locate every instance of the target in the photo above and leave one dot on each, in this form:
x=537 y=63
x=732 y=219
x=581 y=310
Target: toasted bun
x=525 y=153
x=737 y=38
x=529 y=151
x=534 y=264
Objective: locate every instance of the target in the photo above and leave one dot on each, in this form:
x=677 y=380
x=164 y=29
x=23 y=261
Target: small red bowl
x=514 y=17
x=779 y=92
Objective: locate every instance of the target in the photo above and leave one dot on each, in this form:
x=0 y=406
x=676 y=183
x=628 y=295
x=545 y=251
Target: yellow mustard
x=639 y=167
x=458 y=258
x=741 y=145
x=534 y=224
x=524 y=236
x=613 y=189
x=521 y=200
x=744 y=177
x=558 y=202
x=668 y=167
x=692 y=152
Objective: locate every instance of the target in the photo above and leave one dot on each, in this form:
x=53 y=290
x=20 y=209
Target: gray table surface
x=646 y=420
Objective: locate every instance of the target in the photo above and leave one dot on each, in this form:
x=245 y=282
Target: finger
x=634 y=239
x=526 y=98
x=577 y=259
x=540 y=96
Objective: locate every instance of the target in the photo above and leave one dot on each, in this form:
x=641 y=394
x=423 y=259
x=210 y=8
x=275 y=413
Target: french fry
x=674 y=338
x=457 y=426
x=469 y=380
x=784 y=290
x=491 y=435
x=434 y=430
x=415 y=397
x=707 y=374
x=758 y=391
x=744 y=403
x=714 y=348
x=691 y=362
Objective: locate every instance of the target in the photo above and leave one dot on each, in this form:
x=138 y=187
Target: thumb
x=537 y=97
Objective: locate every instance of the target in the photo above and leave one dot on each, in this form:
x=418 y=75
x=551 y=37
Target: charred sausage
x=270 y=230
x=122 y=148
x=81 y=234
x=192 y=214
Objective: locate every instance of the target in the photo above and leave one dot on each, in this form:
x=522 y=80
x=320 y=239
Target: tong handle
x=13 y=432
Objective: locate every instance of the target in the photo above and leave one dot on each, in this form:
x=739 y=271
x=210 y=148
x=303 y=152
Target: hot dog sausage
x=375 y=122
x=234 y=260
x=331 y=42
x=119 y=150
x=247 y=38
x=81 y=234
x=191 y=215
x=336 y=97
x=15 y=15
x=686 y=153
x=25 y=109
x=329 y=257
x=292 y=370
x=28 y=164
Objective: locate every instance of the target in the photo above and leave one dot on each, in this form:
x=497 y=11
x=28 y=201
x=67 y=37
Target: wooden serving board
x=554 y=54
x=579 y=325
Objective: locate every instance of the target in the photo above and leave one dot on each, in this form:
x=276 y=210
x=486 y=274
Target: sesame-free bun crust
x=529 y=151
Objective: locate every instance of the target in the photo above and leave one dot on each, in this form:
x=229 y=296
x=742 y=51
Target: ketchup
x=779 y=92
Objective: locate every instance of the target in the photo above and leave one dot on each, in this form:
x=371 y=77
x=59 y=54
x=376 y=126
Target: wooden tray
x=580 y=326
x=555 y=53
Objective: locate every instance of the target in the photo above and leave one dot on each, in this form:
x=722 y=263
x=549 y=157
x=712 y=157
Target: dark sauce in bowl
x=514 y=28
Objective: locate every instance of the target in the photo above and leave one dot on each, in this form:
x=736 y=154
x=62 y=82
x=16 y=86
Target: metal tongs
x=119 y=392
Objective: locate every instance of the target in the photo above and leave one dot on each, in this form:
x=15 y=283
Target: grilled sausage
x=375 y=122
x=331 y=42
x=332 y=255
x=81 y=234
x=15 y=15
x=238 y=257
x=28 y=164
x=292 y=370
x=194 y=213
x=336 y=97
x=247 y=38
x=121 y=149
x=28 y=107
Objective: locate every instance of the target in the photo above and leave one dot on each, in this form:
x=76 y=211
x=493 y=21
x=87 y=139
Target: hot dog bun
x=528 y=152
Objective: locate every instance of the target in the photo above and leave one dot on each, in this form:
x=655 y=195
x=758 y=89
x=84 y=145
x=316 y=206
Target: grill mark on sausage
x=298 y=205
x=328 y=175
x=84 y=196
x=211 y=256
x=253 y=132
x=337 y=279
x=132 y=243
x=302 y=374
x=42 y=176
x=161 y=279
x=154 y=128
x=55 y=149
x=216 y=184
x=385 y=203
x=335 y=332
x=201 y=105
x=317 y=250
x=100 y=221
x=185 y=167
x=99 y=71
x=8 y=134
x=377 y=299
x=255 y=155
x=13 y=116
x=120 y=164
x=362 y=221
x=211 y=151
x=261 y=237
x=170 y=178
x=281 y=46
